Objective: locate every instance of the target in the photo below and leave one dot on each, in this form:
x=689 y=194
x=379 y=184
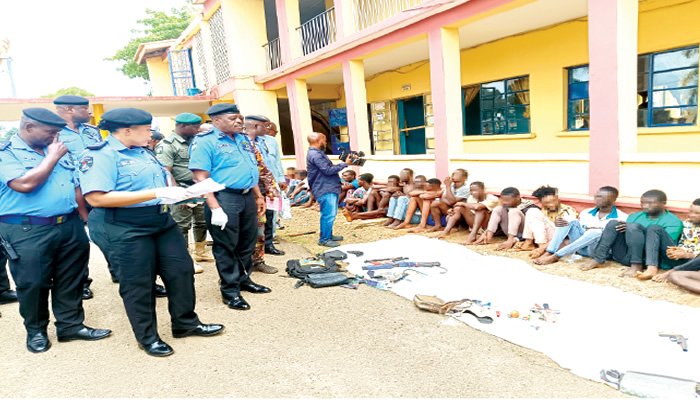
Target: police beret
x=44 y=116
x=128 y=116
x=156 y=135
x=223 y=108
x=70 y=100
x=188 y=118
x=260 y=118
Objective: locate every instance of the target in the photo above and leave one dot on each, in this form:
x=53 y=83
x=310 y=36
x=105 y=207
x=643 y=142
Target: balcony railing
x=318 y=32
x=370 y=12
x=274 y=54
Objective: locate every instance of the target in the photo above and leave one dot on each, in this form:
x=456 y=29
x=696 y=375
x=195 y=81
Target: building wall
x=159 y=72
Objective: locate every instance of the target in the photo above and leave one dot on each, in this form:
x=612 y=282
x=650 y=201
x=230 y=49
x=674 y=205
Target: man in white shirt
x=584 y=233
x=456 y=190
x=475 y=211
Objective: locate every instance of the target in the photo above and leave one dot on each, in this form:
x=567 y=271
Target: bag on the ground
x=324 y=280
x=300 y=269
x=434 y=304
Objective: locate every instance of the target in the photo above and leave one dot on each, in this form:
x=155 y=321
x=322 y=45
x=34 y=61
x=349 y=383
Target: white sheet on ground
x=598 y=327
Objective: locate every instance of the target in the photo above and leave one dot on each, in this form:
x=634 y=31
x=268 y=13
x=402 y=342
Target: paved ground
x=305 y=342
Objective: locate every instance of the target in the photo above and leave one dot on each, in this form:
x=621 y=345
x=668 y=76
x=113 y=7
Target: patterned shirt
x=565 y=211
x=690 y=238
x=267 y=181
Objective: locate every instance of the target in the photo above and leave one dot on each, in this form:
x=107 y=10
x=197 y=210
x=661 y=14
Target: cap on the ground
x=44 y=116
x=71 y=100
x=128 y=116
x=223 y=108
x=188 y=118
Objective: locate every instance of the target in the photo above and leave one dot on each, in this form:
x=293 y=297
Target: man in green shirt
x=173 y=153
x=641 y=240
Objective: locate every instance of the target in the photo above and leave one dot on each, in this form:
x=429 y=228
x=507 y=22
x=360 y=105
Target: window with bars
x=498 y=107
x=578 y=104
x=201 y=60
x=219 y=48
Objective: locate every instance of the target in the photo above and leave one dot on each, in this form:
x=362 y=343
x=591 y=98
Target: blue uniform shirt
x=55 y=197
x=275 y=165
x=115 y=167
x=76 y=142
x=230 y=162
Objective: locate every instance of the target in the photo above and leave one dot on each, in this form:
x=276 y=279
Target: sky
x=62 y=43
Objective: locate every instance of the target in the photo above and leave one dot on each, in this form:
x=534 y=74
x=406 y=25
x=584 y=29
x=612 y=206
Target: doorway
x=411 y=114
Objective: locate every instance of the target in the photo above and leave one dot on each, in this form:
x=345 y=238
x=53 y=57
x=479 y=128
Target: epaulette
x=92 y=126
x=4 y=144
x=97 y=146
x=205 y=133
x=169 y=139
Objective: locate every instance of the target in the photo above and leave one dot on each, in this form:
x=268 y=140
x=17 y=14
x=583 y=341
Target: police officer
x=126 y=185
x=174 y=154
x=226 y=155
x=39 y=219
x=6 y=294
x=76 y=136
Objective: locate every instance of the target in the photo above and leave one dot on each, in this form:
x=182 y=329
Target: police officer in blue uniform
x=126 y=185
x=226 y=155
x=39 y=221
x=76 y=136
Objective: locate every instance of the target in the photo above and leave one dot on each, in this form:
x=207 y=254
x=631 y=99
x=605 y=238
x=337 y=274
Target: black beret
x=70 y=100
x=260 y=118
x=128 y=117
x=223 y=108
x=44 y=116
x=156 y=135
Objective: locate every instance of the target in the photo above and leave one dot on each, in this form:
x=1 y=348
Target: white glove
x=219 y=217
x=87 y=232
x=172 y=194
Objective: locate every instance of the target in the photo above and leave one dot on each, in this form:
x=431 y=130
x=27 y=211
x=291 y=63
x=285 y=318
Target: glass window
x=498 y=107
x=578 y=108
x=382 y=123
x=667 y=88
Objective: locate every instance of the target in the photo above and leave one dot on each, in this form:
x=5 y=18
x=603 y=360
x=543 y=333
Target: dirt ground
x=305 y=342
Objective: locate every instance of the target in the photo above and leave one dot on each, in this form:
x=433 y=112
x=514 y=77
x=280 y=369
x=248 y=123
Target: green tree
x=69 y=90
x=157 y=25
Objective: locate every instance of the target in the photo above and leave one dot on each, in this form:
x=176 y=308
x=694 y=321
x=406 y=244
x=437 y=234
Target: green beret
x=223 y=108
x=70 y=100
x=188 y=118
x=44 y=116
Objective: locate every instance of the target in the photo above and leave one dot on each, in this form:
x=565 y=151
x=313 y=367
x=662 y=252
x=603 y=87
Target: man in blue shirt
x=226 y=155
x=324 y=183
x=76 y=136
x=39 y=219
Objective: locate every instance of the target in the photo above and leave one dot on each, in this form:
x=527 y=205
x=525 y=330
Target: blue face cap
x=128 y=116
x=70 y=100
x=223 y=108
x=44 y=116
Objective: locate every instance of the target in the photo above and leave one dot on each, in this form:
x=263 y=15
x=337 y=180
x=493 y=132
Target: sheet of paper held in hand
x=198 y=190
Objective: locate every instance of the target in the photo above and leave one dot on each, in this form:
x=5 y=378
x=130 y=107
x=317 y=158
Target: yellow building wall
x=159 y=73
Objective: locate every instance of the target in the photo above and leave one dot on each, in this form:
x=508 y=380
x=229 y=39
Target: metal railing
x=273 y=53
x=370 y=12
x=318 y=32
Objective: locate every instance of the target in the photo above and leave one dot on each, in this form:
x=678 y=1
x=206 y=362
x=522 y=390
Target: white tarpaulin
x=597 y=328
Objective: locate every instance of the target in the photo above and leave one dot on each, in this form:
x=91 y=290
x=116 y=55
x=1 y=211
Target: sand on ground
x=305 y=342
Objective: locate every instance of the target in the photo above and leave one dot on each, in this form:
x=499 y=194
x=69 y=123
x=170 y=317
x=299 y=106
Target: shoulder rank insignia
x=205 y=133
x=97 y=146
x=4 y=144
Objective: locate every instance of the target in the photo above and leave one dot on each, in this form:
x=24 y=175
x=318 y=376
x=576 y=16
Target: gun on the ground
x=401 y=264
x=676 y=338
x=385 y=260
x=8 y=250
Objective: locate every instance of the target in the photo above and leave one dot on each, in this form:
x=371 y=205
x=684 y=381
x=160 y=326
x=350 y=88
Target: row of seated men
x=654 y=243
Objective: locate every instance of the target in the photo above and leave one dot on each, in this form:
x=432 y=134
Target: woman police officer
x=126 y=185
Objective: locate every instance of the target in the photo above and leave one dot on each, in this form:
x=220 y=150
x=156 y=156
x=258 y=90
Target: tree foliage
x=69 y=90
x=157 y=25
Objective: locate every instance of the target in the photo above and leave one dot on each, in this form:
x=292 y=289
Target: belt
x=31 y=220
x=147 y=210
x=236 y=191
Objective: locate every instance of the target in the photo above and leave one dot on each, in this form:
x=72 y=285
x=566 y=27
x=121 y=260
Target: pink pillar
x=300 y=110
x=612 y=47
x=283 y=30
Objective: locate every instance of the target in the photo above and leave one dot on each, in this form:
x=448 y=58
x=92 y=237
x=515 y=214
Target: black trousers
x=636 y=245
x=233 y=247
x=656 y=241
x=145 y=242
x=269 y=224
x=4 y=280
x=52 y=259
x=99 y=237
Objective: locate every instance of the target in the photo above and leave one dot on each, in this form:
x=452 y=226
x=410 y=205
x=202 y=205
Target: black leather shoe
x=86 y=333
x=274 y=251
x=87 y=294
x=8 y=296
x=199 y=330
x=157 y=349
x=237 y=303
x=114 y=279
x=160 y=291
x=38 y=342
x=337 y=238
x=253 y=287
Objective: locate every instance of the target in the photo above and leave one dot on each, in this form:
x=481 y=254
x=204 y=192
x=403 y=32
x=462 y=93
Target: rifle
x=385 y=260
x=400 y=264
x=676 y=338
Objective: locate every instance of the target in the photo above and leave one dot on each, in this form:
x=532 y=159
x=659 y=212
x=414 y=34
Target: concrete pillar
x=356 y=105
x=612 y=48
x=244 y=23
x=344 y=18
x=288 y=19
x=252 y=99
x=445 y=86
x=300 y=110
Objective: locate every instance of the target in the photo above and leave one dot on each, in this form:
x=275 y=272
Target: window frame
x=569 y=116
x=506 y=107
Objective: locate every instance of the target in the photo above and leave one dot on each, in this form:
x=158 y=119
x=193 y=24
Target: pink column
x=300 y=111
x=612 y=48
x=283 y=30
